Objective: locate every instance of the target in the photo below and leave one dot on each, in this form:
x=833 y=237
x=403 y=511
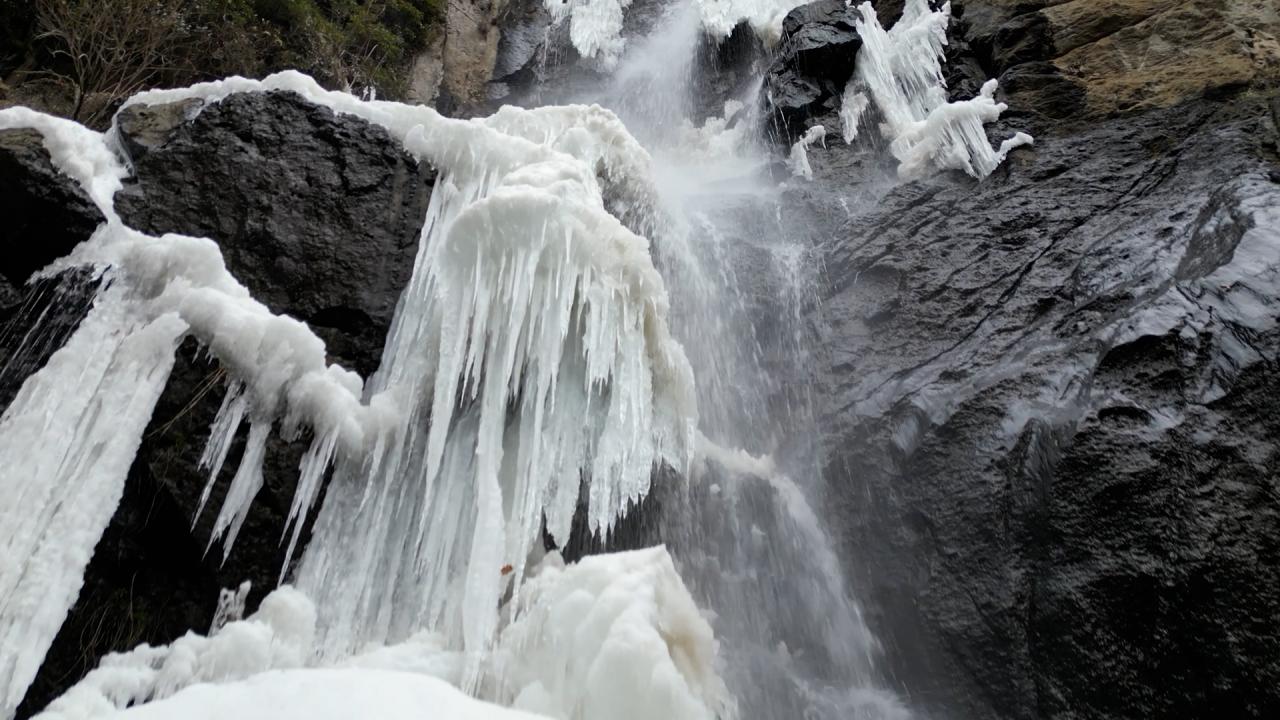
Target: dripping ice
x=526 y=294
x=901 y=70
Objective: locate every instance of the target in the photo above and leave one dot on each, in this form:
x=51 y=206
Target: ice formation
x=765 y=17
x=901 y=69
x=799 y=159
x=85 y=412
x=595 y=27
x=530 y=310
x=325 y=694
x=852 y=107
x=614 y=635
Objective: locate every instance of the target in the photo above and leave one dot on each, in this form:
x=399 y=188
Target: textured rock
x=1129 y=55
x=813 y=62
x=318 y=215
x=469 y=53
x=45 y=212
x=338 y=266
x=1051 y=444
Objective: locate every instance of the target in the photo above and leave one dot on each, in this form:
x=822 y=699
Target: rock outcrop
x=318 y=215
x=1051 y=441
x=46 y=214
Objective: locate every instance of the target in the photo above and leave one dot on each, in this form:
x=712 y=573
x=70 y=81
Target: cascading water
x=600 y=297
x=748 y=542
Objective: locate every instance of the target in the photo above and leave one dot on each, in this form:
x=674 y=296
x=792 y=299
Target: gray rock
x=317 y=214
x=1051 y=437
x=814 y=61
x=45 y=212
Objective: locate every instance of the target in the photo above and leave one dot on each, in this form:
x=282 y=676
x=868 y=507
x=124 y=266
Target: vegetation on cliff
x=80 y=58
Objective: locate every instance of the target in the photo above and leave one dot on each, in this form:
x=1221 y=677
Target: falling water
x=744 y=530
x=578 y=268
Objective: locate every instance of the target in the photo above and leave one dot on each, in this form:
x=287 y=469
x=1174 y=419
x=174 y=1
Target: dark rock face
x=814 y=61
x=319 y=216
x=45 y=212
x=1051 y=438
x=263 y=174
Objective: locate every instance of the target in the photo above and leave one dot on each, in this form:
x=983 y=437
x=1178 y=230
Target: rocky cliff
x=1052 y=443
x=1051 y=431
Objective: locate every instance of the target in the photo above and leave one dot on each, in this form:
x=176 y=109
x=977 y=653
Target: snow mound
x=325 y=694
x=615 y=635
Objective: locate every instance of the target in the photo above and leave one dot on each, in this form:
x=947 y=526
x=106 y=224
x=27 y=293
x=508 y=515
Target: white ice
x=530 y=352
x=614 y=636
x=531 y=308
x=798 y=162
x=901 y=69
x=765 y=17
x=595 y=27
x=325 y=694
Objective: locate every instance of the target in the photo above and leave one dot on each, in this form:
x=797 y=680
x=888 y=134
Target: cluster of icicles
x=529 y=353
x=900 y=69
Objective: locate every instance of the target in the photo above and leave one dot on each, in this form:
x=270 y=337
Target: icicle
x=67 y=441
x=852 y=106
x=799 y=160
x=225 y=425
x=595 y=27
x=901 y=68
x=244 y=487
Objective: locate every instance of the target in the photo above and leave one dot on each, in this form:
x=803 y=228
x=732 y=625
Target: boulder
x=814 y=60
x=45 y=212
x=318 y=215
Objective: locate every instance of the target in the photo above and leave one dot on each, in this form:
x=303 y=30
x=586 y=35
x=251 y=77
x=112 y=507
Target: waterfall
x=749 y=543
x=603 y=294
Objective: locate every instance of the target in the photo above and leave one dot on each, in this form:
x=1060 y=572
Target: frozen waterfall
x=578 y=267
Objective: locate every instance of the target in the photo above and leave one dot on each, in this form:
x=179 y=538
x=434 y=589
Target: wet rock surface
x=318 y=215
x=45 y=213
x=814 y=60
x=1051 y=443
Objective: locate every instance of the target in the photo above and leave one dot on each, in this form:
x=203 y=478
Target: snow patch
x=325 y=694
